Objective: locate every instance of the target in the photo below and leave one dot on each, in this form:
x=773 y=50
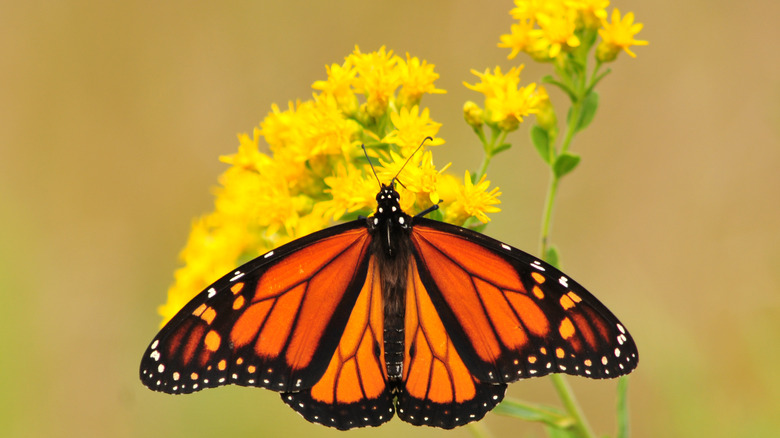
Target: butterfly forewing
x=272 y=323
x=512 y=316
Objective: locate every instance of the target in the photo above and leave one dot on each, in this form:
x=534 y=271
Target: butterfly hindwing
x=274 y=322
x=512 y=316
x=353 y=392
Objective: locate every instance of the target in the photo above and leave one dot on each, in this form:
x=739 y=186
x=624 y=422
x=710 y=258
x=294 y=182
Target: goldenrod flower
x=519 y=38
x=416 y=79
x=618 y=35
x=411 y=127
x=528 y=9
x=248 y=156
x=351 y=191
x=555 y=33
x=377 y=78
x=494 y=83
x=339 y=86
x=506 y=104
x=473 y=200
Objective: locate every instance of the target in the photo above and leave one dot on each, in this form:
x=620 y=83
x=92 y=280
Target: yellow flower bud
x=545 y=117
x=473 y=114
x=606 y=52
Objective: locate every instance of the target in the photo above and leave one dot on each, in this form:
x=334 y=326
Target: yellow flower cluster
x=506 y=103
x=316 y=171
x=547 y=28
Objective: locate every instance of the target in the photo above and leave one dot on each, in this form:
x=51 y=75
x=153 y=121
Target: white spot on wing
x=154 y=344
x=506 y=247
x=564 y=281
x=155 y=355
x=268 y=254
x=537 y=265
x=237 y=275
x=212 y=292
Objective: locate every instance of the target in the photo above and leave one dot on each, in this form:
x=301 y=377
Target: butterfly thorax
x=390 y=228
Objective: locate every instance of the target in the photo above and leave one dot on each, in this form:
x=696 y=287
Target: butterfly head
x=388 y=206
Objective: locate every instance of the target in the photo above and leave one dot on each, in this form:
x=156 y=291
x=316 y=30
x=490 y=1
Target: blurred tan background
x=113 y=114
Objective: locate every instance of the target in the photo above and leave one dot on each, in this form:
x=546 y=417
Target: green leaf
x=501 y=148
x=622 y=407
x=529 y=412
x=553 y=432
x=541 y=140
x=565 y=163
x=549 y=79
x=553 y=257
x=589 y=106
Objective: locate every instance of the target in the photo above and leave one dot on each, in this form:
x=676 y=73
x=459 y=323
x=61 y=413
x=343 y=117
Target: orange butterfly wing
x=511 y=316
x=273 y=323
x=438 y=389
x=353 y=392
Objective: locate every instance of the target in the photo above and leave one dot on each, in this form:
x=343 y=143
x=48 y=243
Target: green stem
x=559 y=381
x=495 y=139
x=572 y=406
x=552 y=190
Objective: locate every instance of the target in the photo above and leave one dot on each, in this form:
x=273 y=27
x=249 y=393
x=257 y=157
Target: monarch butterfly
x=388 y=314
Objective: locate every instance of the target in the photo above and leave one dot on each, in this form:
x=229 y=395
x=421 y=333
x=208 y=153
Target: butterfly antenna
x=372 y=166
x=395 y=178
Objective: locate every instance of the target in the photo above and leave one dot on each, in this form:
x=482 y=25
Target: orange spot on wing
x=212 y=341
x=199 y=311
x=566 y=302
x=559 y=353
x=208 y=315
x=538 y=293
x=238 y=302
x=574 y=297
x=236 y=288
x=566 y=329
x=539 y=278
x=222 y=365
